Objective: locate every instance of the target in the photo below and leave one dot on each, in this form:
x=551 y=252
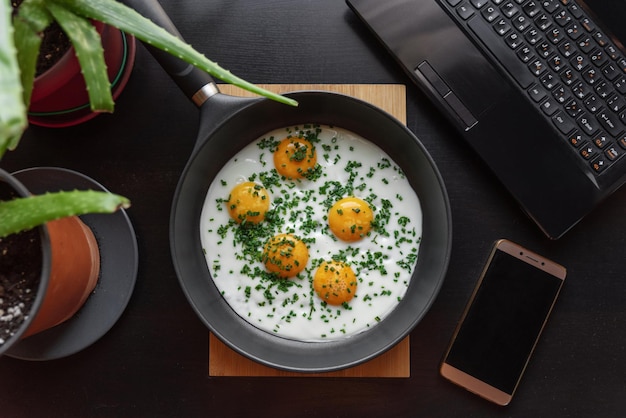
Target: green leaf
x=28 y=212
x=31 y=21
x=13 y=116
x=129 y=21
x=88 y=46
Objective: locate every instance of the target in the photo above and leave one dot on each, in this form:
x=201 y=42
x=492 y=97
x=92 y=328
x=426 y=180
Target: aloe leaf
x=29 y=24
x=13 y=116
x=25 y=213
x=129 y=21
x=88 y=46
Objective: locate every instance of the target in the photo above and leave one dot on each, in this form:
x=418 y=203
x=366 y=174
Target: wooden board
x=394 y=363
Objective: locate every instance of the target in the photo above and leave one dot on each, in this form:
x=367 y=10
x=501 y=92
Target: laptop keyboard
x=567 y=65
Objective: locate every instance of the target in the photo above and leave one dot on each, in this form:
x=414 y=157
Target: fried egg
x=248 y=202
x=311 y=233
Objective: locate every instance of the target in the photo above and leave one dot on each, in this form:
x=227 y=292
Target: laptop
x=536 y=87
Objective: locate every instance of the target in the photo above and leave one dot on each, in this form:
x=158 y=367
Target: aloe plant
x=20 y=40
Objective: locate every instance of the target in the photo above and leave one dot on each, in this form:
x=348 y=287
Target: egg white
x=383 y=261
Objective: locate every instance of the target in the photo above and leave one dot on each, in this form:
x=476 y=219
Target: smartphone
x=502 y=322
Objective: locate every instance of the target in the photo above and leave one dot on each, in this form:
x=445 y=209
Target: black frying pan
x=227 y=125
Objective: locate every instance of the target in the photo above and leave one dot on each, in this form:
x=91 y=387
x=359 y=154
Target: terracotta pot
x=69 y=273
x=59 y=95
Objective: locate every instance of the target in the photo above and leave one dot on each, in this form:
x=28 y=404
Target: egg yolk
x=350 y=219
x=285 y=255
x=334 y=282
x=248 y=202
x=295 y=158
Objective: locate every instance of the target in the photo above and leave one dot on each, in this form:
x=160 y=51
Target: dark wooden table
x=154 y=361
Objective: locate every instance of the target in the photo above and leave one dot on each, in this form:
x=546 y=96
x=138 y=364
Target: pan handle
x=195 y=83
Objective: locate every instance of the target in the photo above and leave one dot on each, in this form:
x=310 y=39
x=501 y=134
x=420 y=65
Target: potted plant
x=46 y=273
x=19 y=212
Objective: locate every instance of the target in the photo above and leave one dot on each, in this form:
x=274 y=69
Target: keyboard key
x=610 y=122
x=587 y=151
x=588 y=24
x=544 y=49
x=585 y=44
x=616 y=103
x=567 y=48
x=579 y=62
x=563 y=122
x=537 y=67
x=575 y=10
x=574 y=31
x=562 y=18
x=599 y=164
x=612 y=52
x=581 y=90
x=573 y=108
x=561 y=94
x=610 y=71
x=531 y=8
x=622 y=142
x=591 y=75
x=533 y=36
x=502 y=27
x=537 y=93
x=551 y=5
x=557 y=63
x=613 y=153
x=550 y=106
x=569 y=77
x=490 y=14
x=521 y=22
x=592 y=103
x=620 y=84
x=576 y=139
x=600 y=140
x=603 y=89
x=513 y=40
x=465 y=11
x=555 y=35
x=601 y=38
x=509 y=9
x=598 y=57
x=543 y=22
x=525 y=54
x=549 y=81
x=587 y=124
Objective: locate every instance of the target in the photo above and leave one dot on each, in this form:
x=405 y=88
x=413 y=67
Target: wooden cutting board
x=223 y=361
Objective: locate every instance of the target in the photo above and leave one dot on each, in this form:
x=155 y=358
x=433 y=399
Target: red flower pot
x=59 y=95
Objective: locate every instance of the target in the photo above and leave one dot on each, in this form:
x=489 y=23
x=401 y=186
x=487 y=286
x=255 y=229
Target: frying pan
x=229 y=123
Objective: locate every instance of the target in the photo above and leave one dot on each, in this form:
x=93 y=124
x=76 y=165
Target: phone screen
x=504 y=319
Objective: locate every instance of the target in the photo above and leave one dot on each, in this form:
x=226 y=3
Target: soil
x=20 y=272
x=54 y=45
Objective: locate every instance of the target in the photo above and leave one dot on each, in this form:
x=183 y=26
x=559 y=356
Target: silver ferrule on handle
x=207 y=91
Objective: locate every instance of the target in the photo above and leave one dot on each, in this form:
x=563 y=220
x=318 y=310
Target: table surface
x=154 y=361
